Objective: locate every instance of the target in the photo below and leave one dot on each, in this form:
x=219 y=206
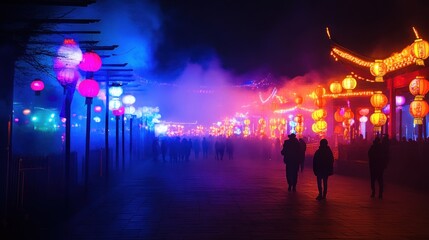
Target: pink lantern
x=119 y=112
x=364 y=111
x=91 y=62
x=37 y=86
x=89 y=88
x=67 y=76
x=97 y=109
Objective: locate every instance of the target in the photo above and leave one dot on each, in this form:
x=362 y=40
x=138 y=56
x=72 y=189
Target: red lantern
x=320 y=102
x=378 y=100
x=419 y=86
x=338 y=117
x=37 y=86
x=378 y=69
x=91 y=62
x=420 y=50
x=89 y=88
x=378 y=119
x=419 y=109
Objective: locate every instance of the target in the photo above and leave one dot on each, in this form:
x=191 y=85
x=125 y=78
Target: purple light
x=400 y=100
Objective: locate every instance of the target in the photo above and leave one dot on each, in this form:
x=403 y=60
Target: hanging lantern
x=116 y=90
x=298 y=100
x=37 y=86
x=130 y=110
x=299 y=129
x=322 y=125
x=420 y=50
x=378 y=119
x=419 y=86
x=128 y=99
x=89 y=88
x=69 y=54
x=114 y=103
x=298 y=118
x=68 y=76
x=337 y=116
x=378 y=69
x=319 y=114
x=378 y=100
x=349 y=83
x=419 y=108
x=320 y=102
x=400 y=100
x=91 y=62
x=363 y=119
x=348 y=114
x=364 y=111
x=246 y=121
x=320 y=91
x=335 y=87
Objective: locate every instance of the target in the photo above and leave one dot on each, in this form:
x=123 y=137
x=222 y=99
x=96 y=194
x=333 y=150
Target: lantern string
x=415 y=32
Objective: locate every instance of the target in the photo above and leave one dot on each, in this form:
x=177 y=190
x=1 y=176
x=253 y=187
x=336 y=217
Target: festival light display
x=378 y=119
x=419 y=107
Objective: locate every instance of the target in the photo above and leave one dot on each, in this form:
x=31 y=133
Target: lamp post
x=68 y=57
x=128 y=101
x=88 y=88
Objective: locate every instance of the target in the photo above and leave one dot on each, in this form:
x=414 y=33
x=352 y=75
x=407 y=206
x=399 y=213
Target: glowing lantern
x=363 y=119
x=319 y=114
x=378 y=100
x=420 y=50
x=378 y=119
x=69 y=54
x=349 y=83
x=67 y=76
x=298 y=118
x=246 y=122
x=298 y=100
x=400 y=100
x=348 y=114
x=115 y=91
x=419 y=86
x=338 y=117
x=378 y=69
x=419 y=109
x=91 y=62
x=114 y=103
x=364 y=111
x=299 y=128
x=320 y=102
x=89 y=88
x=128 y=100
x=335 y=87
x=322 y=125
x=37 y=86
x=130 y=110
x=320 y=91
x=119 y=112
x=97 y=109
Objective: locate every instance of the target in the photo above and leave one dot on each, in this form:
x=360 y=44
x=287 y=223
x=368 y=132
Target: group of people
x=293 y=152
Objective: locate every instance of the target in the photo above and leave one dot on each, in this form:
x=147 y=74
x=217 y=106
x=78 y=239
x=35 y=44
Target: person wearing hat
x=291 y=157
x=323 y=166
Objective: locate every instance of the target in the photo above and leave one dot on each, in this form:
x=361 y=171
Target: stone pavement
x=244 y=199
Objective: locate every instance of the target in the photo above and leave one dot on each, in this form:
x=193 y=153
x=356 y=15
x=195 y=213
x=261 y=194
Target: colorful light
x=91 y=62
x=89 y=88
x=378 y=69
x=37 y=86
x=349 y=83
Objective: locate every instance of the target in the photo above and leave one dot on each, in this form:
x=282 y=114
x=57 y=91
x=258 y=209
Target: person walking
x=378 y=158
x=291 y=157
x=323 y=167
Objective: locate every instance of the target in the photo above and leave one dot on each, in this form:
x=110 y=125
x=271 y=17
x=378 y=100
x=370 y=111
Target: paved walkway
x=244 y=199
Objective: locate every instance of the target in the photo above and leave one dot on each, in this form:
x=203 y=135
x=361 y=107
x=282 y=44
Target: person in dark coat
x=378 y=158
x=291 y=157
x=323 y=167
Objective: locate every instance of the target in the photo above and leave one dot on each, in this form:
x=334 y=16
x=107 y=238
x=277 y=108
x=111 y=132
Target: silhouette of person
x=323 y=167
x=291 y=156
x=378 y=158
x=229 y=147
x=302 y=154
x=205 y=146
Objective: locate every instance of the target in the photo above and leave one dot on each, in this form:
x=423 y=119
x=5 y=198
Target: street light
x=37 y=86
x=88 y=88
